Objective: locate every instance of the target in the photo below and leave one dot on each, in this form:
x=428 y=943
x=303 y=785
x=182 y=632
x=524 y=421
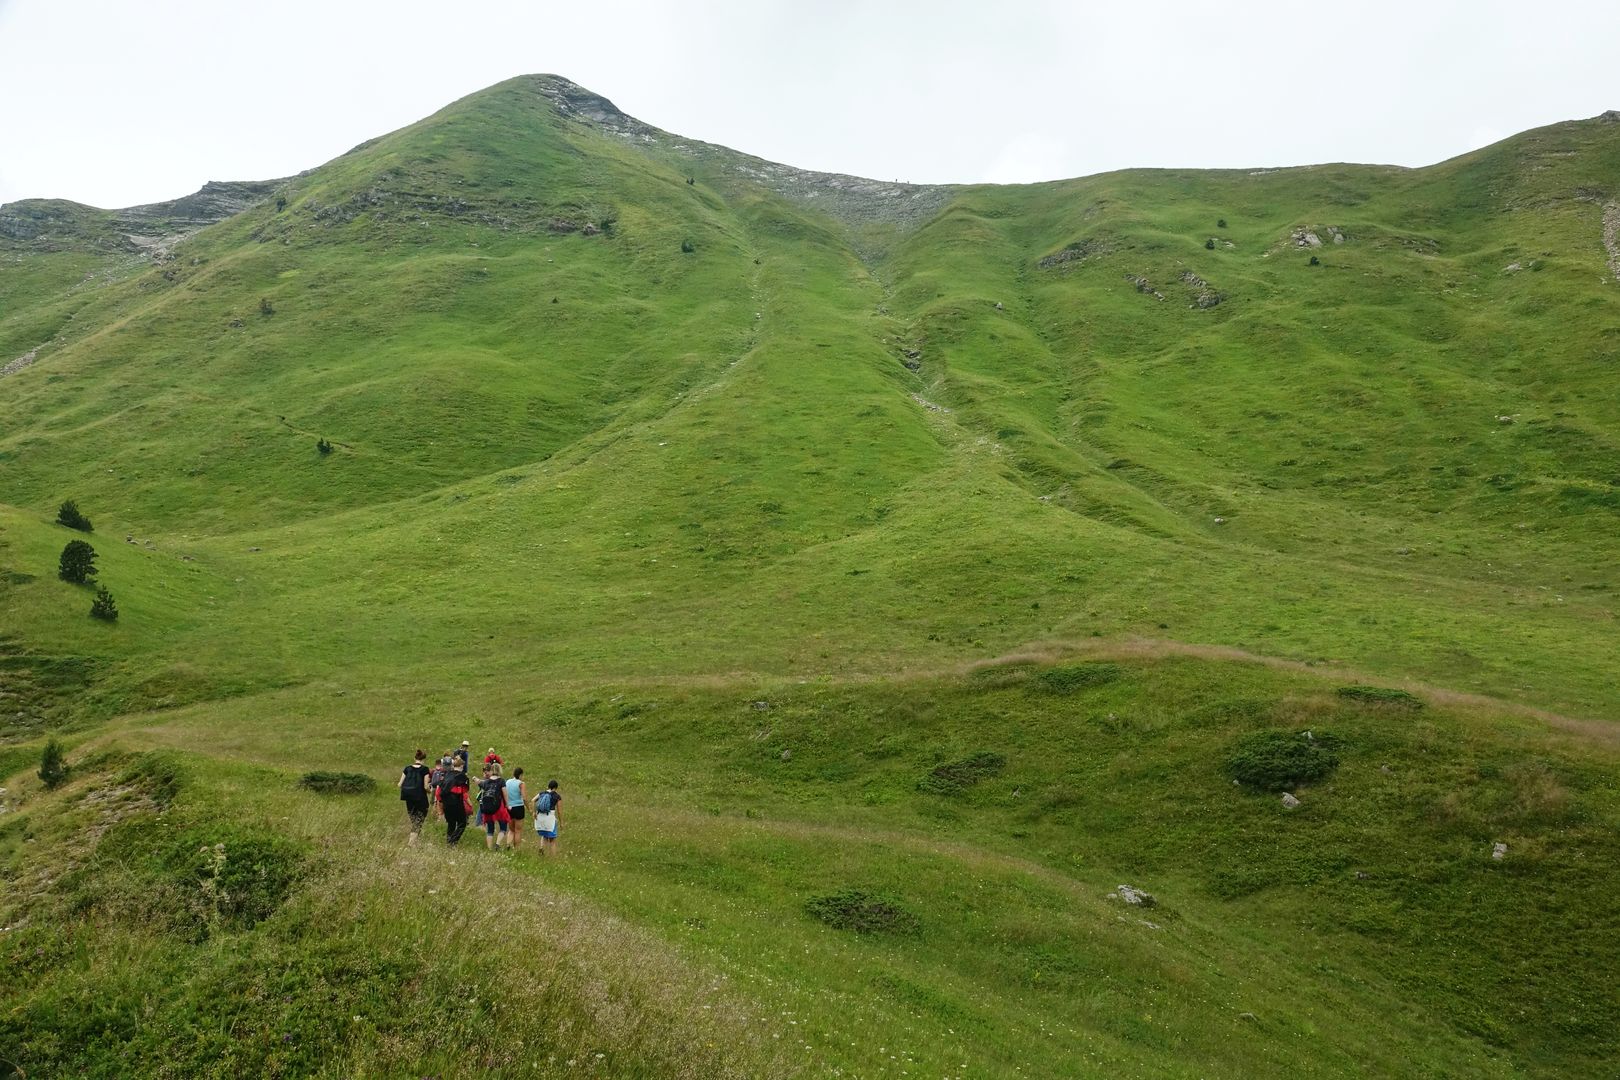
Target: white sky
x=117 y=102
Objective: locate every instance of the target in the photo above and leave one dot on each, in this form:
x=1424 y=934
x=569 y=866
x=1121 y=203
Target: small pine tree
x=68 y=514
x=324 y=445
x=103 y=607
x=265 y=306
x=1315 y=261
x=53 y=767
x=78 y=562
x=1209 y=245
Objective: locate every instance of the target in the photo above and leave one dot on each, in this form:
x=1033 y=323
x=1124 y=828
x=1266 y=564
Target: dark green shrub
x=687 y=247
x=102 y=607
x=324 y=446
x=862 y=912
x=53 y=766
x=243 y=873
x=1315 y=261
x=1277 y=760
x=78 y=562
x=281 y=203
x=1381 y=695
x=265 y=306
x=337 y=783
x=957 y=776
x=68 y=514
x=1221 y=224
x=1209 y=245
x=1072 y=677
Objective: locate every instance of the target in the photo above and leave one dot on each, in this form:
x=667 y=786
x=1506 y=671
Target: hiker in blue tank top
x=547 y=816
x=516 y=798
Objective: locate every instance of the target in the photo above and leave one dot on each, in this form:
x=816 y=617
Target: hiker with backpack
x=436 y=779
x=453 y=800
x=413 y=791
x=547 y=816
x=516 y=799
x=492 y=808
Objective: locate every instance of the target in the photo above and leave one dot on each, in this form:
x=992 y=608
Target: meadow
x=830 y=553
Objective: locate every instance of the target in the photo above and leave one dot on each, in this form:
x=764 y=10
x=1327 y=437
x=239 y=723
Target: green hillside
x=819 y=534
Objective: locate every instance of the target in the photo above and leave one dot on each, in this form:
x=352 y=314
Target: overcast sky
x=117 y=102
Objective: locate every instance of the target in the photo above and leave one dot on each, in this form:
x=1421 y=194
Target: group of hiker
x=495 y=803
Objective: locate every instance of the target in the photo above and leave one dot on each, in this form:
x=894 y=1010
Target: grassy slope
x=696 y=465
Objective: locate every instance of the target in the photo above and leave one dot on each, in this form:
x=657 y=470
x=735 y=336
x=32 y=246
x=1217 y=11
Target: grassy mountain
x=821 y=533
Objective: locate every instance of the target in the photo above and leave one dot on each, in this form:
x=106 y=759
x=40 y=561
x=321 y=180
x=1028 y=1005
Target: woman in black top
x=413 y=791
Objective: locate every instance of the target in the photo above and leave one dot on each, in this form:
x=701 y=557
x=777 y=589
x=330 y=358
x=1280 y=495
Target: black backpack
x=489 y=802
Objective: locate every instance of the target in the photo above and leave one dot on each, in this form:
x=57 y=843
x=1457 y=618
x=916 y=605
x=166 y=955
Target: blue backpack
x=542 y=803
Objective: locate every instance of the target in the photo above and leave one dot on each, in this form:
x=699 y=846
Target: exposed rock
x=1288 y=801
x=1204 y=294
x=1611 y=236
x=1136 y=896
x=1499 y=851
x=1304 y=238
x=787 y=755
x=1144 y=286
x=18 y=364
x=1362 y=875
x=1075 y=253
x=1612 y=116
x=998 y=305
x=1512 y=268
x=1335 y=234
x=562 y=225
x=589 y=229
x=854 y=200
x=761 y=706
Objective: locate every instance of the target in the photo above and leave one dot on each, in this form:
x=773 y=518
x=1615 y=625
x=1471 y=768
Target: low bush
x=1381 y=695
x=1073 y=677
x=687 y=247
x=862 y=912
x=1278 y=760
x=337 y=783
x=1209 y=245
x=324 y=446
x=957 y=776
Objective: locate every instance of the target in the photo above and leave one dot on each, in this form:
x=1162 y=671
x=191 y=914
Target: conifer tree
x=68 y=514
x=53 y=767
x=78 y=563
x=102 y=607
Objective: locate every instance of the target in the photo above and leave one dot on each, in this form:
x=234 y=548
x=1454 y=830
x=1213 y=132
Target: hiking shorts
x=516 y=812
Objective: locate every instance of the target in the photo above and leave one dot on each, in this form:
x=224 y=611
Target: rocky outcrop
x=1204 y=295
x=854 y=200
x=1611 y=237
x=18 y=364
x=1076 y=253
